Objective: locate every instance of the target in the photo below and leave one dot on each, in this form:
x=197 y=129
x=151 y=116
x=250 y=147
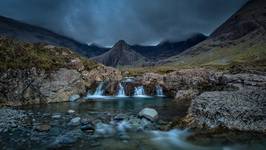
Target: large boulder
x=149 y=113
x=101 y=73
x=62 y=84
x=241 y=110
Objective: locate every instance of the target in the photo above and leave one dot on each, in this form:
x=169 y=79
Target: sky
x=104 y=22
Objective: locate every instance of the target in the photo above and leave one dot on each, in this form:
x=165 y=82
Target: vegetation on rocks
x=20 y=55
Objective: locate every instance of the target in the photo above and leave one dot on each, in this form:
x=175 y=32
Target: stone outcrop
x=241 y=110
x=32 y=86
x=196 y=80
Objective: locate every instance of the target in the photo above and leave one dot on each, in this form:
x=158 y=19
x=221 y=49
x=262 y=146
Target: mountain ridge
x=241 y=38
x=29 y=33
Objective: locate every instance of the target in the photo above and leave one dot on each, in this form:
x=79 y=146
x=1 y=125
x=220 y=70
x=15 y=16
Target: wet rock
x=71 y=111
x=57 y=116
x=42 y=128
x=74 y=122
x=11 y=118
x=88 y=128
x=66 y=139
x=149 y=113
x=73 y=98
x=104 y=130
x=120 y=117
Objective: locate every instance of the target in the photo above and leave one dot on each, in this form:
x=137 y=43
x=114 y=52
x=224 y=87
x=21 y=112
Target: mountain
x=33 y=34
x=242 y=38
x=167 y=49
x=121 y=55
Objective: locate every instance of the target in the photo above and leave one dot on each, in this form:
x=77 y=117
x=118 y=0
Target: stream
x=105 y=123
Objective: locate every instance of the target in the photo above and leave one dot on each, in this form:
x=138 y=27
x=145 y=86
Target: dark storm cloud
x=136 y=21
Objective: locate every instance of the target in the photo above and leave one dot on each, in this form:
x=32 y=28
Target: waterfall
x=159 y=91
x=99 y=90
x=139 y=92
x=121 y=91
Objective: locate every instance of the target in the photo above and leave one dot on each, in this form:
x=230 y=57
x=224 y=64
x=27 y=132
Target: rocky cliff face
x=44 y=74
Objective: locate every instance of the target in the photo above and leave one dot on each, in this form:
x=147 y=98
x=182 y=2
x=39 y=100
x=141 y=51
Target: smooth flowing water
x=159 y=91
x=107 y=135
x=121 y=91
x=140 y=92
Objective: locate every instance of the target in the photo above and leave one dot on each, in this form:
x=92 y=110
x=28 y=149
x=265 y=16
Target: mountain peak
x=121 y=45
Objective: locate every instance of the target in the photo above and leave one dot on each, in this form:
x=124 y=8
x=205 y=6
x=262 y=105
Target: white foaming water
x=121 y=91
x=159 y=91
x=174 y=139
x=140 y=92
x=123 y=126
x=98 y=92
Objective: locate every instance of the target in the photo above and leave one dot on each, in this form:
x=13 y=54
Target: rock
x=74 y=122
x=104 y=130
x=242 y=110
x=11 y=118
x=57 y=116
x=102 y=73
x=88 y=128
x=70 y=111
x=186 y=94
x=120 y=117
x=149 y=113
x=76 y=64
x=73 y=98
x=42 y=128
x=66 y=139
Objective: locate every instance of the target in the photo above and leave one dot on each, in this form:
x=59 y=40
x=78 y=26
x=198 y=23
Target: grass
x=20 y=55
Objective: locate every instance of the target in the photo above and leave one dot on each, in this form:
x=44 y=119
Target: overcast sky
x=137 y=21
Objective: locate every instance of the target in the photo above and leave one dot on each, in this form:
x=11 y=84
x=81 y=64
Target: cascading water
x=99 y=90
x=140 y=92
x=159 y=91
x=121 y=91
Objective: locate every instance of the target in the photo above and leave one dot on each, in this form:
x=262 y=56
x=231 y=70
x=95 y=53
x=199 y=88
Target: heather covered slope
x=240 y=39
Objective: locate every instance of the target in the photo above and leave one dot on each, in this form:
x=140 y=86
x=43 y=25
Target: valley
x=200 y=92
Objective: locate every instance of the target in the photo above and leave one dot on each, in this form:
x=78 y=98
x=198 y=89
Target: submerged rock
x=43 y=128
x=73 y=98
x=149 y=113
x=70 y=111
x=74 y=122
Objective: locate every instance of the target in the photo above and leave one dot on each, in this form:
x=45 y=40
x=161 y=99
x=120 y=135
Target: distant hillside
x=121 y=55
x=167 y=49
x=33 y=34
x=242 y=38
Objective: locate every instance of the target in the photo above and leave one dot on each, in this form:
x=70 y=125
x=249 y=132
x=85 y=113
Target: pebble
x=43 y=128
x=75 y=121
x=56 y=116
x=71 y=111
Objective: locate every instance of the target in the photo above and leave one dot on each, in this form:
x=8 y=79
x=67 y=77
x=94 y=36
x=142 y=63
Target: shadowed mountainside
x=33 y=34
x=121 y=55
x=241 y=38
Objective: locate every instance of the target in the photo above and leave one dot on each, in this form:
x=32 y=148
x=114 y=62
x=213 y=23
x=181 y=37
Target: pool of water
x=107 y=135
